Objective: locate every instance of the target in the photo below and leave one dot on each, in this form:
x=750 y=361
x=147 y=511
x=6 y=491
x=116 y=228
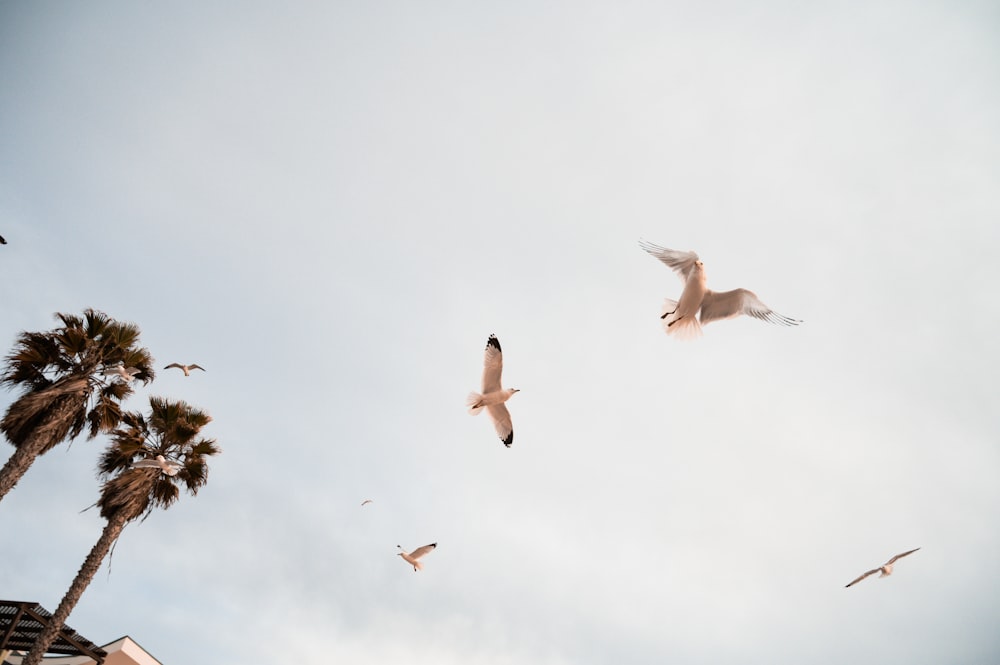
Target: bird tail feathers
x=687 y=327
x=475 y=403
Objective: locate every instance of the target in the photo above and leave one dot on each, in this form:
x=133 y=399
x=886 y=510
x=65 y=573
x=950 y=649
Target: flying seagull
x=412 y=557
x=682 y=317
x=185 y=368
x=126 y=374
x=366 y=502
x=886 y=568
x=493 y=396
x=169 y=467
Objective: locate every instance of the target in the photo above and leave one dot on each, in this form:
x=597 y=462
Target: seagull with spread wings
x=169 y=467
x=700 y=305
x=185 y=368
x=885 y=569
x=126 y=374
x=493 y=396
x=411 y=557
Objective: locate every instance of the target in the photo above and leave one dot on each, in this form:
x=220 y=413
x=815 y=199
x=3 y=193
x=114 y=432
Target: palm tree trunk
x=60 y=411
x=87 y=571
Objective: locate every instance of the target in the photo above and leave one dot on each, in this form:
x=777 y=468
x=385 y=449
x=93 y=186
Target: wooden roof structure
x=21 y=623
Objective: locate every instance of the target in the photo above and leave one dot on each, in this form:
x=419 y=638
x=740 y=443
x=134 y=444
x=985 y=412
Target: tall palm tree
x=171 y=430
x=65 y=387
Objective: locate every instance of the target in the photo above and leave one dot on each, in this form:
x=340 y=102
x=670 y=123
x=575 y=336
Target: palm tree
x=65 y=387
x=128 y=493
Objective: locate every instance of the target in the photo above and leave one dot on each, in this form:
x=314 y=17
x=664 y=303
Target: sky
x=330 y=206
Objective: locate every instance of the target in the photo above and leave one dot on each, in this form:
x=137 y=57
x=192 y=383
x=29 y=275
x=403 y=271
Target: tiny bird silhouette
x=185 y=368
x=2 y=241
x=411 y=558
x=366 y=502
x=123 y=373
x=699 y=305
x=493 y=396
x=885 y=569
x=169 y=467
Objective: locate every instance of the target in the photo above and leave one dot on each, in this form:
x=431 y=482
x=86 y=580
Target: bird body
x=185 y=368
x=411 y=557
x=169 y=467
x=885 y=569
x=493 y=396
x=699 y=304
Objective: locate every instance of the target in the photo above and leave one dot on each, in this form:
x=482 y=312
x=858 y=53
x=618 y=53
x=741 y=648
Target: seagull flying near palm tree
x=169 y=467
x=683 y=318
x=411 y=558
x=493 y=396
x=185 y=368
x=885 y=569
x=123 y=373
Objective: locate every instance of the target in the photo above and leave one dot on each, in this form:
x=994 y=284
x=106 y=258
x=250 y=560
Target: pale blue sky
x=331 y=206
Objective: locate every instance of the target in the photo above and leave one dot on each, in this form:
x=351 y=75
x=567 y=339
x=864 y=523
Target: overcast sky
x=331 y=206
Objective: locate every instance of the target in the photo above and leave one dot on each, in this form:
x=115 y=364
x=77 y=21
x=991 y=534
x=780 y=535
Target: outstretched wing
x=680 y=262
x=146 y=464
x=501 y=420
x=420 y=551
x=899 y=556
x=197 y=367
x=492 y=365
x=727 y=304
x=178 y=366
x=870 y=572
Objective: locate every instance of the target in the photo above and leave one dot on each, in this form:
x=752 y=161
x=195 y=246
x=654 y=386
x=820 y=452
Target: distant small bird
x=366 y=501
x=185 y=368
x=169 y=467
x=412 y=557
x=493 y=396
x=885 y=568
x=123 y=373
x=2 y=241
x=682 y=317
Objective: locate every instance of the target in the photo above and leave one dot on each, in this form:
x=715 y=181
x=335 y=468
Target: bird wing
x=680 y=262
x=899 y=556
x=727 y=304
x=501 y=420
x=146 y=464
x=177 y=365
x=197 y=367
x=870 y=572
x=492 y=365
x=132 y=371
x=420 y=551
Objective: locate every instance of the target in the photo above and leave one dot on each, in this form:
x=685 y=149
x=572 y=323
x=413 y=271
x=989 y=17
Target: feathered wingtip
x=473 y=402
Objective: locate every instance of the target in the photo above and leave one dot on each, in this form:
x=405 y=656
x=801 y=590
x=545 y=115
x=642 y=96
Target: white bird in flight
x=185 y=368
x=126 y=374
x=493 y=396
x=886 y=568
x=366 y=502
x=169 y=467
x=682 y=317
x=411 y=557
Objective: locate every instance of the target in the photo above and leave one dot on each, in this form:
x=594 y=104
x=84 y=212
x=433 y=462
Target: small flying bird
x=682 y=317
x=2 y=241
x=123 y=373
x=493 y=396
x=412 y=557
x=366 y=502
x=185 y=368
x=169 y=467
x=885 y=568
